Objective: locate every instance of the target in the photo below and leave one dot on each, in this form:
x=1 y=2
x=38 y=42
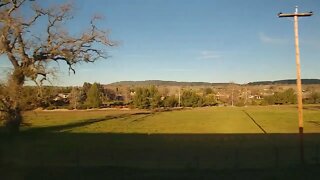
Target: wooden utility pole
x=179 y=102
x=295 y=16
x=232 y=97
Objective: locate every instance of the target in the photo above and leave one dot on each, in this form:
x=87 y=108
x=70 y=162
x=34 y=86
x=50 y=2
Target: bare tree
x=30 y=52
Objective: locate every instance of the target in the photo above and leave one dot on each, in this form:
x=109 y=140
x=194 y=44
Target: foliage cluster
x=150 y=98
x=286 y=97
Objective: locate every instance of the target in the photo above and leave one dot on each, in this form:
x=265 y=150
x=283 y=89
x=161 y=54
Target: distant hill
x=287 y=81
x=177 y=83
x=164 y=83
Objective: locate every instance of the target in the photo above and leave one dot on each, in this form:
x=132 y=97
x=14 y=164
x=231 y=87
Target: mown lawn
x=284 y=119
x=272 y=119
x=38 y=119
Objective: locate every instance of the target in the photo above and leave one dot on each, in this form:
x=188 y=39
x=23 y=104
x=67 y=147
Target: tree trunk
x=13 y=117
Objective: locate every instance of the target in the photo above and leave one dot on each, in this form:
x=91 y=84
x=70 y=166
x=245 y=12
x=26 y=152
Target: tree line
x=150 y=98
x=96 y=95
x=289 y=97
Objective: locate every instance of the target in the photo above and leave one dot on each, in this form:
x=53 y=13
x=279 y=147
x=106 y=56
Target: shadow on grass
x=64 y=155
x=254 y=121
x=312 y=107
x=314 y=123
x=141 y=116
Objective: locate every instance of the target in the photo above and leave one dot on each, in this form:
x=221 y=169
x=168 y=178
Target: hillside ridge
x=183 y=83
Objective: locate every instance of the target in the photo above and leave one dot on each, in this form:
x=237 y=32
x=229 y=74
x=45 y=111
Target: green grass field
x=217 y=142
x=273 y=119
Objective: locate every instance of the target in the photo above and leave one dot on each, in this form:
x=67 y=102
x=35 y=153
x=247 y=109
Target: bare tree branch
x=39 y=12
x=28 y=51
x=4 y=3
x=15 y=5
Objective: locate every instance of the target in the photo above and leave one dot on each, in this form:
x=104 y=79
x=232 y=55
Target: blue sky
x=205 y=40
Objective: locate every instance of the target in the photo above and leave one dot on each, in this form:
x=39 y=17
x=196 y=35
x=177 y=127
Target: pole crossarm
x=280 y=15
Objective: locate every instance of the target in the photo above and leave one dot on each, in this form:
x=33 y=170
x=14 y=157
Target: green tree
x=210 y=100
x=314 y=98
x=141 y=98
x=154 y=97
x=290 y=96
x=171 y=101
x=74 y=98
x=146 y=98
x=94 y=96
x=267 y=100
x=83 y=94
x=286 y=97
x=207 y=91
x=189 y=98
